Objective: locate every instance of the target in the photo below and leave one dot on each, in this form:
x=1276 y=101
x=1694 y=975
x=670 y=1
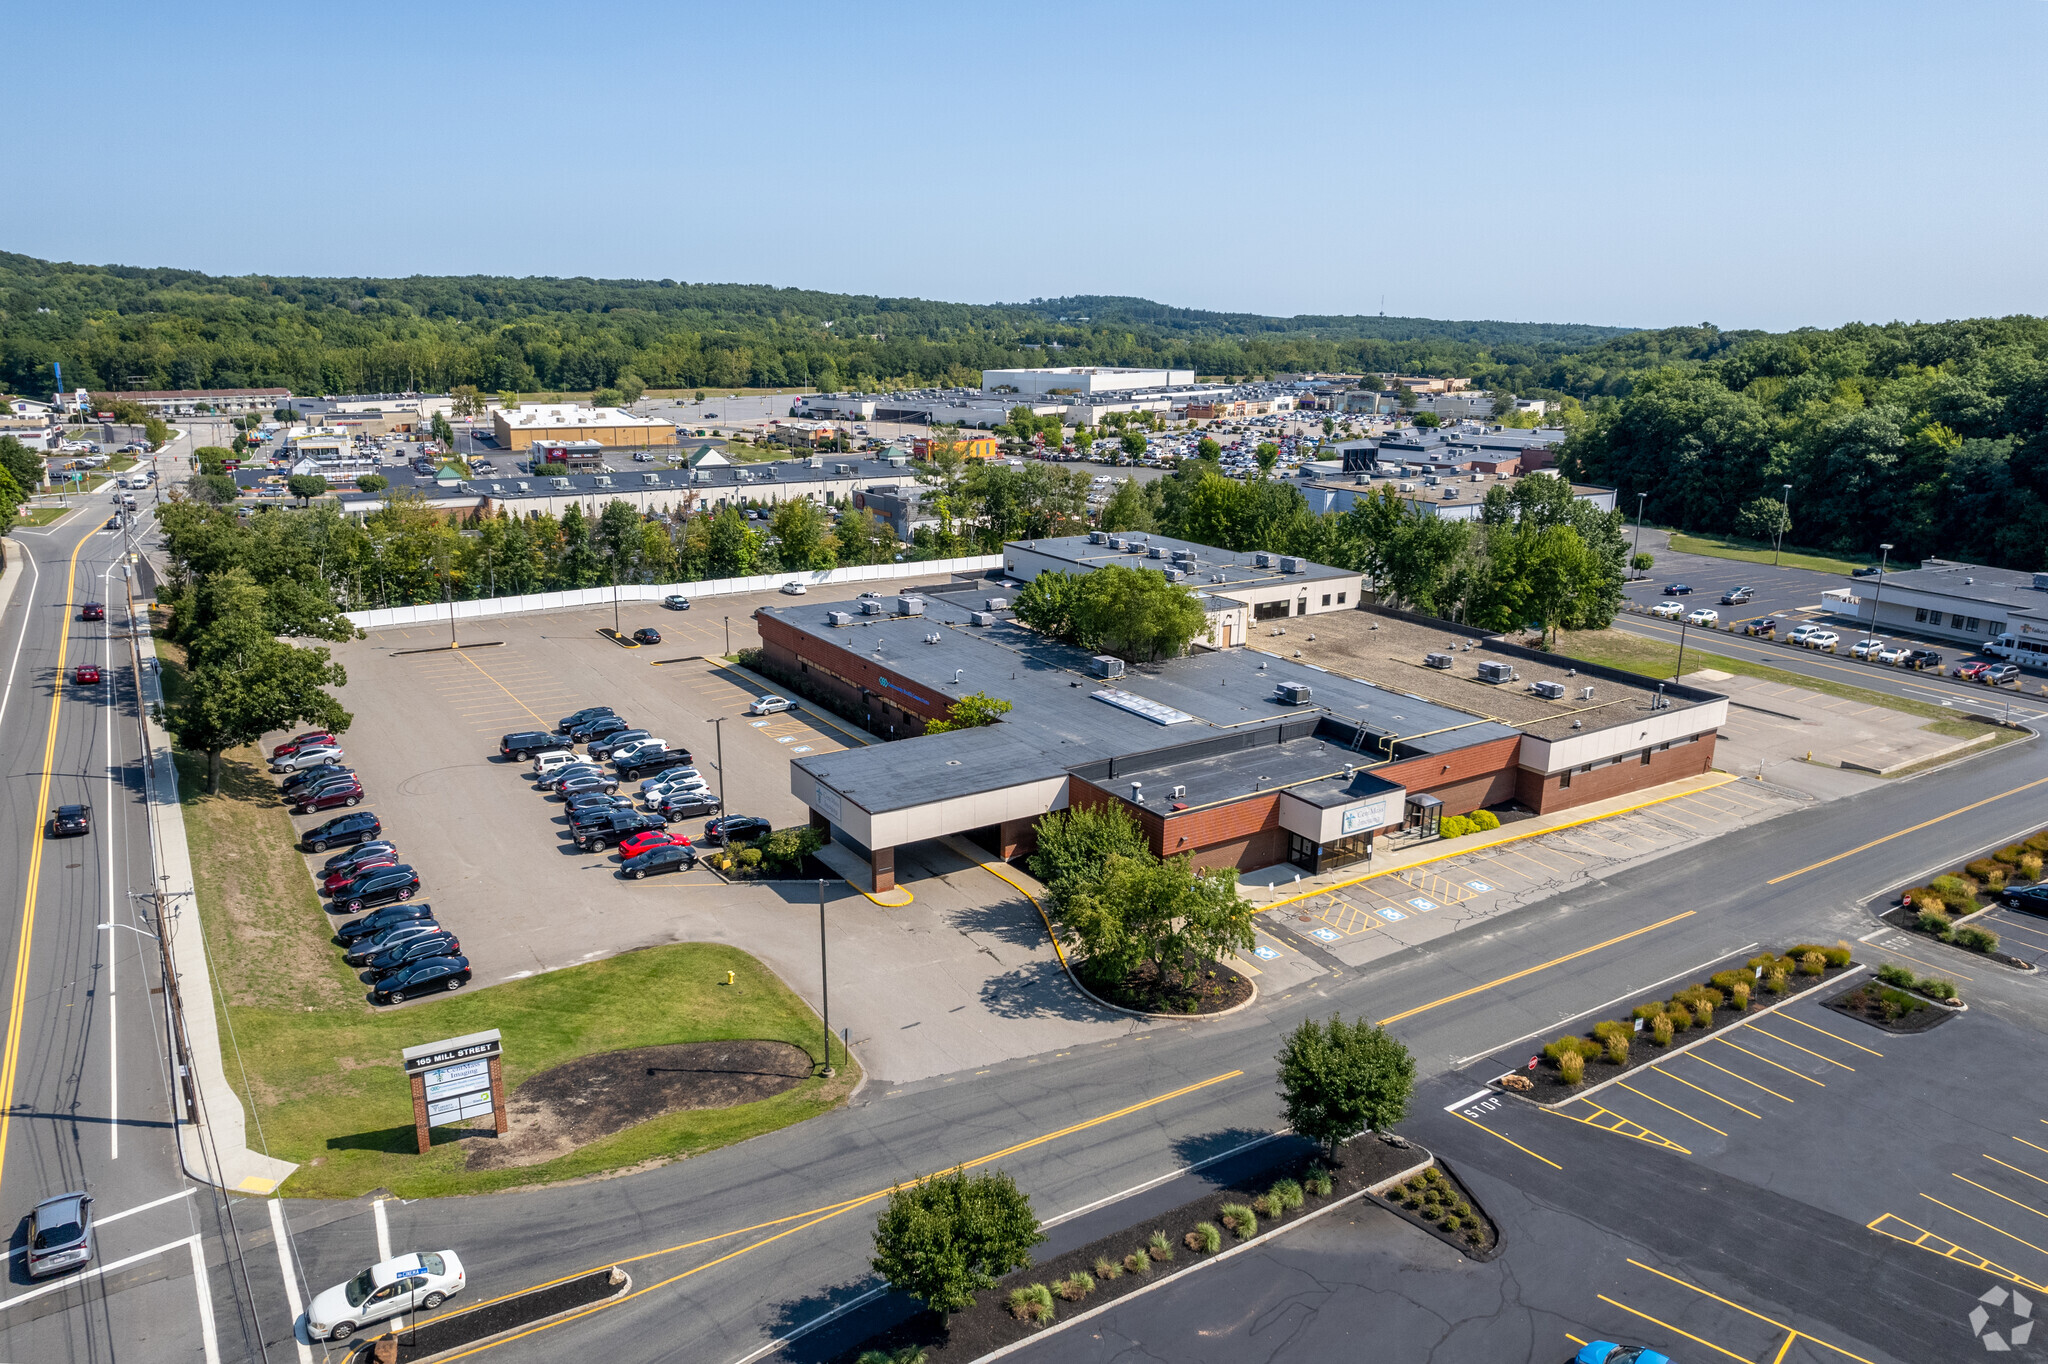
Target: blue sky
x=1753 y=165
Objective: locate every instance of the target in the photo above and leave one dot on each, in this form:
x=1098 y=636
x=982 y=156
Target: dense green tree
x=1158 y=912
x=24 y=464
x=1763 y=518
x=1134 y=613
x=11 y=498
x=942 y=1239
x=1339 y=1079
x=863 y=538
x=803 y=532
x=1125 y=510
x=1075 y=844
x=306 y=487
x=372 y=483
x=973 y=711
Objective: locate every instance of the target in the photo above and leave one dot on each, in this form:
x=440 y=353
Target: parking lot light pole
x=1636 y=549
x=824 y=984
x=1683 y=623
x=728 y=636
x=1784 y=519
x=717 y=723
x=1877 y=597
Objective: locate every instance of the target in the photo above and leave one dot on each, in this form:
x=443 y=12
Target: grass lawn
x=42 y=516
x=1658 y=658
x=319 y=1071
x=1751 y=552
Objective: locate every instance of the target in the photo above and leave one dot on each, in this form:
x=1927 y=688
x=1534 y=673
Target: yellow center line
x=1837 y=1036
x=1510 y=1141
x=1796 y=1047
x=1925 y=823
x=1750 y=1313
x=1996 y=1194
x=1693 y=1055
x=1769 y=1062
x=1679 y=1330
x=1982 y=1223
x=2014 y=1168
x=1661 y=1104
x=1708 y=1092
x=19 y=999
x=1532 y=970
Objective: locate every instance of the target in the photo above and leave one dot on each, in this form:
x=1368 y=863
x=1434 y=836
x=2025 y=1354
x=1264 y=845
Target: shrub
x=909 y=1354
x=1976 y=939
x=1107 y=1269
x=1454 y=826
x=1989 y=872
x=1738 y=995
x=1660 y=1029
x=1462 y=1208
x=1777 y=982
x=1571 y=1067
x=1264 y=1207
x=1137 y=1262
x=1839 y=955
x=1484 y=821
x=1957 y=895
x=1812 y=964
x=2038 y=843
x=1694 y=995
x=1678 y=1017
x=1076 y=1286
x=1159 y=1248
x=1033 y=1304
x=1726 y=981
x=1205 y=1239
x=1703 y=1012
x=1895 y=975
x=1604 y=1031
x=1242 y=1222
x=1451 y=1222
x=1935 y=922
x=2010 y=856
x=1473 y=1235
x=1287 y=1193
x=1432 y=1175
x=1935 y=989
x=748 y=858
x=1318 y=1181
x=1617 y=1048
x=1571 y=1045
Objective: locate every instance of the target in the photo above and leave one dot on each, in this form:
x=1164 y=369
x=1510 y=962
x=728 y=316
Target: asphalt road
x=743 y=1245
x=85 y=1084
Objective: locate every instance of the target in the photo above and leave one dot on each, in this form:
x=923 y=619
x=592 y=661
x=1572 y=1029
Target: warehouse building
x=516 y=429
x=1240 y=758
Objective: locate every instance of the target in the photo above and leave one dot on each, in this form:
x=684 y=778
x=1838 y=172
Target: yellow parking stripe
x=1982 y=1223
x=1708 y=1092
x=1661 y=1104
x=2014 y=1168
x=1744 y=1078
x=1948 y=1250
x=1769 y=1062
x=1996 y=1194
x=1796 y=1047
x=1838 y=1037
x=1510 y=1141
x=1740 y=1359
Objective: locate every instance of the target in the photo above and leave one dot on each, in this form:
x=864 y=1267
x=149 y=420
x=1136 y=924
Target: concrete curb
x=17 y=565
x=481 y=1342
x=1279 y=1230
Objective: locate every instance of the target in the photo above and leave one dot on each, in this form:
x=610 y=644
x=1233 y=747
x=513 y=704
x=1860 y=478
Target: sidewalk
x=219 y=1153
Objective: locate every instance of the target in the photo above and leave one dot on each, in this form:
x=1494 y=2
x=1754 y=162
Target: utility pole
x=717 y=723
x=1877 y=598
x=1784 y=520
x=824 y=984
x=1637 y=549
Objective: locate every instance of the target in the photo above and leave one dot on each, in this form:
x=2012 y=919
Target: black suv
x=601 y=746
x=403 y=954
x=734 y=829
x=597 y=728
x=525 y=744
x=342 y=830
x=314 y=775
x=611 y=830
x=594 y=816
x=688 y=805
x=647 y=764
x=581 y=717
x=370 y=925
x=379 y=887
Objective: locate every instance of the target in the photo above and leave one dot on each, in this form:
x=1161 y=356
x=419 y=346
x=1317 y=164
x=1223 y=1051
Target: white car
x=1799 y=634
x=420 y=1281
x=1866 y=648
x=1667 y=609
x=673 y=774
x=793 y=589
x=1705 y=615
x=307 y=757
x=1894 y=654
x=771 y=705
x=1822 y=639
x=660 y=795
x=639 y=747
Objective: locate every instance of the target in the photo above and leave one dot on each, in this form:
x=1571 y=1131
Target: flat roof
x=2010 y=588
x=1214 y=567
x=544 y=416
x=1387 y=648
x=1061 y=721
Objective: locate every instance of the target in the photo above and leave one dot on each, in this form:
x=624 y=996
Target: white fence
x=715 y=587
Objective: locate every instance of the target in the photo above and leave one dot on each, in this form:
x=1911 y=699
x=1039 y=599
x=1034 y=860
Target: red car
x=328 y=800
x=88 y=674
x=291 y=746
x=338 y=879
x=653 y=838
x=93 y=611
x=1969 y=671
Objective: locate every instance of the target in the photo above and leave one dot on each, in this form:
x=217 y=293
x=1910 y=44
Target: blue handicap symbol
x=1422 y=904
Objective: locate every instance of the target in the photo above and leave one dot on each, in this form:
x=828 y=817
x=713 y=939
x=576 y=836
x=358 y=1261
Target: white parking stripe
x=206 y=1332
x=291 y=1279
x=95 y=1273
x=384 y=1250
x=185 y=1192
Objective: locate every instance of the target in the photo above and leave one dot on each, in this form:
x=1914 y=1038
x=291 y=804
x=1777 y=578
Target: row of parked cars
x=314 y=776
x=399 y=948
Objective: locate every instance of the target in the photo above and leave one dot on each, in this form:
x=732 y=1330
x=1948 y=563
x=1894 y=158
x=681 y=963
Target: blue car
x=1607 y=1352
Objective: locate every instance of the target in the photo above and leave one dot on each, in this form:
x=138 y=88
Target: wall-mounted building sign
x=1360 y=818
x=455 y=1080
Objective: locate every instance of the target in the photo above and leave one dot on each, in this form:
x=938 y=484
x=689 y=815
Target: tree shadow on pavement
x=1039 y=989
x=1011 y=920
x=843 y=1332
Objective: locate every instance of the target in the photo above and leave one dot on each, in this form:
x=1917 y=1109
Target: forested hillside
x=1930 y=436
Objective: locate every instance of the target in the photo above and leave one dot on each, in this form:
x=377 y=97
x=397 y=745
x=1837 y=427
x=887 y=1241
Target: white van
x=545 y=764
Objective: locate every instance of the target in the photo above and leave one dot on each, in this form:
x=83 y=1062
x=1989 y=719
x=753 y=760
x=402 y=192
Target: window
x=1340 y=598
x=1326 y=599
x=1564 y=780
x=1973 y=623
x=1646 y=757
x=1269 y=610
x=1996 y=627
x=1955 y=622
x=1920 y=615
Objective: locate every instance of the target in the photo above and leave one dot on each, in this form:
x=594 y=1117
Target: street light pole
x=1878 y=597
x=1680 y=670
x=824 y=984
x=1636 y=550
x=728 y=636
x=1784 y=519
x=717 y=723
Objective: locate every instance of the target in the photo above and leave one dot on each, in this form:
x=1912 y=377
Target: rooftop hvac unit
x=1551 y=690
x=997 y=604
x=1293 y=693
x=1155 y=552
x=650 y=478
x=1183 y=553
x=1436 y=660
x=1407 y=487
x=1262 y=560
x=1106 y=665
x=910 y=606
x=871 y=608
x=981 y=618
x=1173 y=575
x=2041 y=582
x=1178 y=792
x=1585 y=693
x=844 y=469
x=1496 y=672
x=1116 y=544
x=839 y=617
x=1096 y=537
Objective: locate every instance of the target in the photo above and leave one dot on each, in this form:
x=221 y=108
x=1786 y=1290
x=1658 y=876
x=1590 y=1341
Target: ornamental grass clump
x=1137 y=1262
x=1812 y=964
x=1286 y=1194
x=1661 y=1029
x=1107 y=1269
x=1318 y=1181
x=1571 y=1068
x=1205 y=1239
x=1159 y=1248
x=1032 y=1304
x=1976 y=939
x=1075 y=1286
x=1239 y=1220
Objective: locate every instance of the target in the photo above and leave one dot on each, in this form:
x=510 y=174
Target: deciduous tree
x=1338 y=1079
x=942 y=1239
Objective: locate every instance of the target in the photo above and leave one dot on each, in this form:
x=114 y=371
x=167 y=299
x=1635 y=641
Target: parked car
x=559 y=772
x=306 y=757
x=400 y=955
x=731 y=829
x=679 y=805
x=363 y=948
x=581 y=717
x=675 y=601
x=1607 y=1352
x=597 y=800
x=1866 y=648
x=297 y=742
x=771 y=705
x=595 y=781
x=308 y=777
x=1824 y=640
x=1998 y=673
x=675 y=779
x=359 y=827
x=370 y=925
x=1923 y=658
x=69 y=821
x=2031 y=898
x=618 y=754
x=525 y=743
x=649 y=760
x=598 y=728
x=423 y=1280
x=435 y=973
x=92 y=610
x=1737 y=596
x=1969 y=668
x=1705 y=615
x=378 y=887
x=614 y=828
x=348 y=873
x=334 y=796
x=1799 y=634
x=793 y=589
x=1667 y=609
x=604 y=746
x=86 y=675
x=549 y=765
x=1766 y=626
x=361 y=855
x=649 y=839
x=647 y=635
x=654 y=861
x=1894 y=654
x=1678 y=590
x=1867 y=571
x=59 y=1234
